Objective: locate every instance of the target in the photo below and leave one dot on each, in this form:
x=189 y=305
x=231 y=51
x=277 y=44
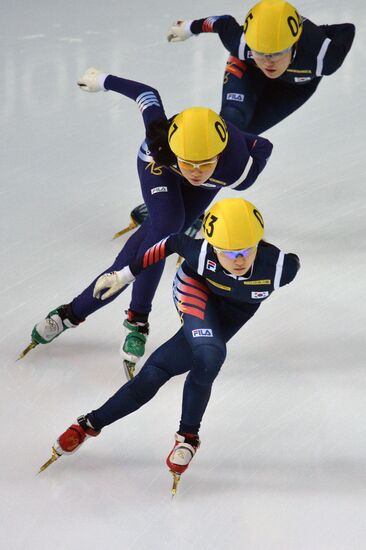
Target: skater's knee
x=235 y=115
x=208 y=360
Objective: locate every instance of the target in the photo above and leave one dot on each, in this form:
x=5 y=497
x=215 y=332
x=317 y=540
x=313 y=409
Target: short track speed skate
x=71 y=440
x=57 y=321
x=137 y=216
x=179 y=458
x=133 y=347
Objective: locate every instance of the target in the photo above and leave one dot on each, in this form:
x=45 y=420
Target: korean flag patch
x=260 y=295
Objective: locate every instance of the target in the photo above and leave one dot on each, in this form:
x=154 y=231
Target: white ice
x=282 y=461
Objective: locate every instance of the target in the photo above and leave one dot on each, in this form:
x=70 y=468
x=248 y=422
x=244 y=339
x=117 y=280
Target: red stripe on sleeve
x=191 y=311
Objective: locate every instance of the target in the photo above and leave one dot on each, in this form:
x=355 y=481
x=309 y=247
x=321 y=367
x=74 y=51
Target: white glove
x=92 y=80
x=114 y=281
x=179 y=31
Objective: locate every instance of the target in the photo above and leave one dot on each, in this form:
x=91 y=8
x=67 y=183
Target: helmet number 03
x=208 y=224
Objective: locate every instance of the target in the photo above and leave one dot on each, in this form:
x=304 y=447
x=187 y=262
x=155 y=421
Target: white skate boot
x=180 y=456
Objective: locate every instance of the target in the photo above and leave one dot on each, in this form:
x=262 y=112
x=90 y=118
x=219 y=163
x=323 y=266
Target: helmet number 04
x=208 y=224
x=293 y=24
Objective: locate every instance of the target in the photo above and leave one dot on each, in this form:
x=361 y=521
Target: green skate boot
x=57 y=321
x=133 y=347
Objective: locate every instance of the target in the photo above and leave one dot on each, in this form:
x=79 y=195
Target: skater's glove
x=179 y=31
x=92 y=80
x=113 y=281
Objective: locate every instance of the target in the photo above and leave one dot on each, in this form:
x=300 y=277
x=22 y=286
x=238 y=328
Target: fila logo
x=235 y=97
x=302 y=78
x=162 y=189
x=260 y=295
x=198 y=332
x=211 y=265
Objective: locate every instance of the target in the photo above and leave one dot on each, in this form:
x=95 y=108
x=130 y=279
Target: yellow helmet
x=197 y=134
x=233 y=224
x=272 y=26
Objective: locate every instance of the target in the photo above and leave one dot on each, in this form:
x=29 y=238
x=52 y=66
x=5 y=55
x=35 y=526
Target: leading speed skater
x=223 y=281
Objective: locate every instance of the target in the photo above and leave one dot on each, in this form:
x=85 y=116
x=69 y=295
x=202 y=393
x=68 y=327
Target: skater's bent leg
x=144 y=288
x=172 y=358
x=85 y=304
x=207 y=363
x=279 y=100
x=241 y=91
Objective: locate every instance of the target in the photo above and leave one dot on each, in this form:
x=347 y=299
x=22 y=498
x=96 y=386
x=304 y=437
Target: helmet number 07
x=208 y=224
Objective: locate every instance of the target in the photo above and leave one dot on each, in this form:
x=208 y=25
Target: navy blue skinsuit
x=213 y=305
x=173 y=204
x=254 y=102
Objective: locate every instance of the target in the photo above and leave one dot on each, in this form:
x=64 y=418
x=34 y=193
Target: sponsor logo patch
x=161 y=189
x=211 y=265
x=302 y=78
x=235 y=97
x=199 y=332
x=260 y=295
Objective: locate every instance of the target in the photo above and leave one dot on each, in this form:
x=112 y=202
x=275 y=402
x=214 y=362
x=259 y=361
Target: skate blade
x=176 y=480
x=31 y=346
x=130 y=227
x=129 y=369
x=55 y=456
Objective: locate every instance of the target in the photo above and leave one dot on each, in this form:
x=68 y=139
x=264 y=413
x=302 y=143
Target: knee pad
x=208 y=360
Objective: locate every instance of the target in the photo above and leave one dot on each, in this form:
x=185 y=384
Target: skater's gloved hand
x=179 y=31
x=92 y=80
x=114 y=281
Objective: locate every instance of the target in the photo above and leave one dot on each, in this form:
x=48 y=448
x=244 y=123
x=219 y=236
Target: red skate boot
x=71 y=440
x=180 y=456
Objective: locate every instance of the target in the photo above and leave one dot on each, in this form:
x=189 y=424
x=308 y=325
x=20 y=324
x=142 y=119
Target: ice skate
x=71 y=440
x=178 y=460
x=56 y=322
x=137 y=216
x=133 y=347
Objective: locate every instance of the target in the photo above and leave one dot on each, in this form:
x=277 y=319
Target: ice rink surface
x=282 y=464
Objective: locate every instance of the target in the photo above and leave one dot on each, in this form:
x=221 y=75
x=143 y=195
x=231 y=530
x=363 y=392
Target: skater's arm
x=337 y=45
x=226 y=26
x=289 y=265
x=179 y=243
x=260 y=149
x=146 y=97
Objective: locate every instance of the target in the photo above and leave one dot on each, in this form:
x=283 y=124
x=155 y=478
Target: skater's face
x=237 y=262
x=197 y=172
x=273 y=65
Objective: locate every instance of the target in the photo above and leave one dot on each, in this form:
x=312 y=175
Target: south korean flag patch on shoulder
x=211 y=265
x=260 y=295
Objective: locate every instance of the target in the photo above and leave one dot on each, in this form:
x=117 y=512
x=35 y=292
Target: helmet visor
x=234 y=254
x=204 y=166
